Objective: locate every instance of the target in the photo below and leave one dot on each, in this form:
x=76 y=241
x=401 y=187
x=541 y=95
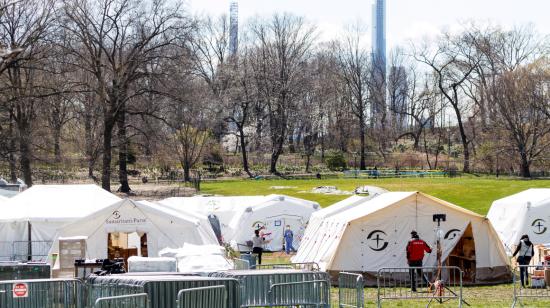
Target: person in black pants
x=416 y=248
x=258 y=245
x=525 y=252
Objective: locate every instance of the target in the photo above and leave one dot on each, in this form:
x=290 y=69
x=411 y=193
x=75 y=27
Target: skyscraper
x=378 y=106
x=379 y=32
x=233 y=27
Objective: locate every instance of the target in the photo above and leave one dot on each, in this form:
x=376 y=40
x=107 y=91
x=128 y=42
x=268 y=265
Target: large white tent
x=374 y=235
x=45 y=208
x=527 y=212
x=317 y=218
x=240 y=216
x=164 y=228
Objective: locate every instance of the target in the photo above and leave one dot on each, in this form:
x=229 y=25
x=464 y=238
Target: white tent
x=527 y=212
x=240 y=216
x=48 y=207
x=164 y=228
x=374 y=235
x=317 y=218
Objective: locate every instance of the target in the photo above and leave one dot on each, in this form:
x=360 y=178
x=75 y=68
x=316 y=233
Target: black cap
x=414 y=233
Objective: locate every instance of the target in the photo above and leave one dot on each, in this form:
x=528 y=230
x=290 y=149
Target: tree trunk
x=308 y=163
x=11 y=155
x=108 y=122
x=122 y=151
x=525 y=165
x=362 y=163
x=89 y=143
x=25 y=152
x=186 y=172
x=243 y=151
x=463 y=137
x=56 y=144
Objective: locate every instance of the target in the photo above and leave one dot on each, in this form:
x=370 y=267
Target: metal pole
x=29 y=239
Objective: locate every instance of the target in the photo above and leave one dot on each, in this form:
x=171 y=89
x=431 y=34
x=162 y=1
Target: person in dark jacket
x=416 y=248
x=525 y=252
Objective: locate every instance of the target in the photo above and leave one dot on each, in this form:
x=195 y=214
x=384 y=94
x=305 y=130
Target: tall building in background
x=398 y=87
x=378 y=106
x=233 y=27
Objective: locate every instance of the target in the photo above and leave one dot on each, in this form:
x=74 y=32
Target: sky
x=407 y=20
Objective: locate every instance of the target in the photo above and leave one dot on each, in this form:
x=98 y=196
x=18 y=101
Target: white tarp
x=165 y=228
x=47 y=208
x=373 y=235
x=199 y=258
x=527 y=212
x=240 y=216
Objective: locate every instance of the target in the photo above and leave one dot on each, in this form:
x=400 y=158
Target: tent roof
x=143 y=206
x=230 y=203
x=57 y=202
x=536 y=196
x=388 y=199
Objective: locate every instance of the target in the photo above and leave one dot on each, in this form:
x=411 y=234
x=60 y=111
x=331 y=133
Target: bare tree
x=452 y=63
x=115 y=40
x=282 y=45
x=518 y=94
x=355 y=73
x=25 y=26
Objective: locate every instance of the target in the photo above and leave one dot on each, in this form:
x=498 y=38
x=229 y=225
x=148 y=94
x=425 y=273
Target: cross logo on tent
x=379 y=246
x=451 y=234
x=540 y=228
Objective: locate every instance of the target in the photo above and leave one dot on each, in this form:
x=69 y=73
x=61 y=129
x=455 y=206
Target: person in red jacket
x=416 y=248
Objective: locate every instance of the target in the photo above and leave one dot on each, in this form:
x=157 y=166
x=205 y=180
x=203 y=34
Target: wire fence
x=30 y=250
x=203 y=297
x=535 y=284
x=350 y=290
x=432 y=284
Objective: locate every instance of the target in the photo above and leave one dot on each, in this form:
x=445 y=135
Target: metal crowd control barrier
x=42 y=293
x=306 y=266
x=33 y=250
x=314 y=293
x=140 y=300
x=350 y=290
x=432 y=284
x=536 y=286
x=204 y=297
x=240 y=264
x=255 y=284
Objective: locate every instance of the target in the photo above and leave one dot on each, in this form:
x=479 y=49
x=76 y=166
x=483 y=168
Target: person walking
x=258 y=245
x=525 y=252
x=289 y=238
x=416 y=248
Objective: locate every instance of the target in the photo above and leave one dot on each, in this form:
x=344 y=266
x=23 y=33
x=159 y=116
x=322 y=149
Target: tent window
x=124 y=245
x=464 y=255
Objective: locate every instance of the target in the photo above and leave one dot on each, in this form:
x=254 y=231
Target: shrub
x=335 y=161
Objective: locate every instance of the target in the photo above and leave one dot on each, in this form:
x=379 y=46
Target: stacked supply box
x=70 y=250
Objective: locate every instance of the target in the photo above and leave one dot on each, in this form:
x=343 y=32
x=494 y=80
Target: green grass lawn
x=474 y=193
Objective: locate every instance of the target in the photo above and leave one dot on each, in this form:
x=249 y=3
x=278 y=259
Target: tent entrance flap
x=463 y=255
x=126 y=244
